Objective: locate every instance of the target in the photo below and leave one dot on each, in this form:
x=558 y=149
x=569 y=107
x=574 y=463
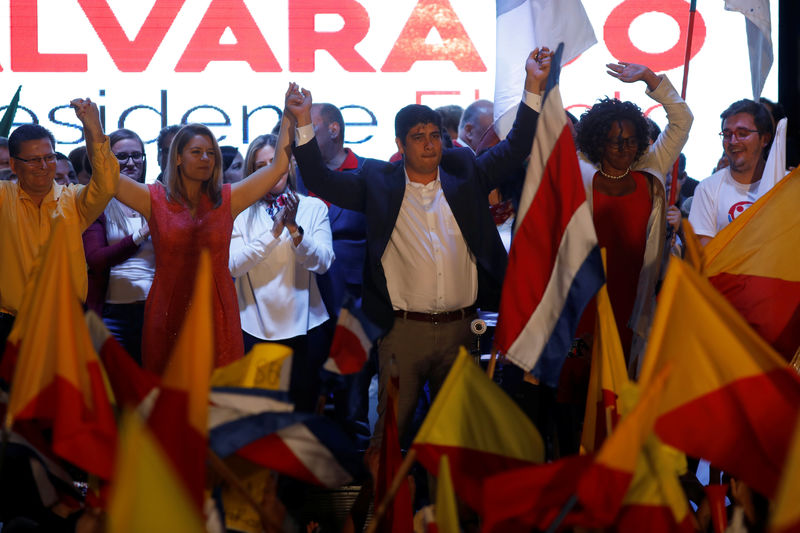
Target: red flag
x=57 y=377
x=180 y=415
x=400 y=515
x=729 y=394
x=753 y=263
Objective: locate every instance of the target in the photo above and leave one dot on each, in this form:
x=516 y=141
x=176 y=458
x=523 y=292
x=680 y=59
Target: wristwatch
x=297 y=233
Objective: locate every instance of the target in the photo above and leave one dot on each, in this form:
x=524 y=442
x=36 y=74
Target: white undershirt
x=130 y=281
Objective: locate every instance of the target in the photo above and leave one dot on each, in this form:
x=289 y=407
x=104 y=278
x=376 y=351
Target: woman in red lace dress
x=192 y=211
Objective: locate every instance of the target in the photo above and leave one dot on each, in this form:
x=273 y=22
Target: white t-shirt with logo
x=719 y=199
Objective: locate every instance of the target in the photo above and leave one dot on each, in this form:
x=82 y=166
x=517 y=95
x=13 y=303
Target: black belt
x=445 y=316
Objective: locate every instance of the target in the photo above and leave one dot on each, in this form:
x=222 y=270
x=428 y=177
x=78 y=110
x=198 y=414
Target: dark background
x=789 y=74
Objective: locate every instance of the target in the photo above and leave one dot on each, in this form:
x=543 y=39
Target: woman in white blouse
x=277 y=247
x=120 y=255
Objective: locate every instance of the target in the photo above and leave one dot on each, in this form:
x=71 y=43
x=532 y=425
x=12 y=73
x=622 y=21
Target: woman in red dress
x=624 y=177
x=191 y=211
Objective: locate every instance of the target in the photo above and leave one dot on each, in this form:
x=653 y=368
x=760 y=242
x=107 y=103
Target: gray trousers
x=424 y=352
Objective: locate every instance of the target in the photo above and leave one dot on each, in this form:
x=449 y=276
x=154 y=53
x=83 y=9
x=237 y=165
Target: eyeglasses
x=623 y=143
x=123 y=156
x=740 y=134
x=37 y=161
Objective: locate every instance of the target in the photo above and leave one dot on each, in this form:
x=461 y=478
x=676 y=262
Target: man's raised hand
x=298 y=104
x=89 y=115
x=537 y=68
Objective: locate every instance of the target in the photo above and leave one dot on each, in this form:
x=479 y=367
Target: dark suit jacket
x=349 y=234
x=377 y=188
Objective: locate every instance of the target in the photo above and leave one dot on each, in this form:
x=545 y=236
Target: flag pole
x=492 y=363
x=401 y=474
x=673 y=192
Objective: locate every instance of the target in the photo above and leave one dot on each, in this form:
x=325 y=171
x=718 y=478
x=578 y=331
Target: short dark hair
x=410 y=116
x=28 y=132
x=592 y=129
x=228 y=155
x=3 y=142
x=451 y=116
x=80 y=160
x=61 y=157
x=166 y=132
x=761 y=115
x=330 y=113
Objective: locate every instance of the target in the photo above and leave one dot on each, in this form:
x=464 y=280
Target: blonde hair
x=173 y=179
x=255 y=145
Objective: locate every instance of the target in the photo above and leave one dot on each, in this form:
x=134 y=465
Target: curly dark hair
x=592 y=129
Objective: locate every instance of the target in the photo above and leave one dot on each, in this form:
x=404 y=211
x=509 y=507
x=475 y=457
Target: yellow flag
x=267 y=366
x=694 y=254
x=786 y=511
x=446 y=507
x=607 y=379
x=147 y=496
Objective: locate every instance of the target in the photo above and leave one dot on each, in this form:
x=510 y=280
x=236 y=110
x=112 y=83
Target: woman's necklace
x=609 y=176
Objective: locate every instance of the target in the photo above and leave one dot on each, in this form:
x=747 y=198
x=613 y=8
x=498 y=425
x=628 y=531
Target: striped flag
x=314 y=450
x=261 y=426
x=352 y=340
x=523 y=25
x=554 y=265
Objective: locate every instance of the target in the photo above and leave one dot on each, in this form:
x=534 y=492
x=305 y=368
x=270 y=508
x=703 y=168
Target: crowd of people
x=300 y=224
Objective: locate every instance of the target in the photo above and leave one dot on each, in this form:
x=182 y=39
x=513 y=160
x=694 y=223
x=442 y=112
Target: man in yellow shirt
x=29 y=208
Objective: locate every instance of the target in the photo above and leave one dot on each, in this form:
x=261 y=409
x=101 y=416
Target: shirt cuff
x=532 y=100
x=303 y=134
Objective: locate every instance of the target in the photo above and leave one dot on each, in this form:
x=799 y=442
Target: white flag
x=522 y=25
x=759 y=38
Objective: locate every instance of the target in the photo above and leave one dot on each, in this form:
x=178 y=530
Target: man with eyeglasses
x=746 y=136
x=28 y=208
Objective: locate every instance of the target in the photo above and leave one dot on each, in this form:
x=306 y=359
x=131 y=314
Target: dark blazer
x=377 y=188
x=349 y=235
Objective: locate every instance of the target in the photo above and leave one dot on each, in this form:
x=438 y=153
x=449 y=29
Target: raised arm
x=135 y=195
x=662 y=155
x=248 y=191
x=93 y=198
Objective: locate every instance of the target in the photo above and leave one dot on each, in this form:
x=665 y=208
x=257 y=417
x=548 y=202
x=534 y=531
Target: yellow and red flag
x=753 y=263
x=785 y=516
x=446 y=505
x=56 y=377
x=479 y=427
x=532 y=497
x=179 y=418
x=602 y=488
x=655 y=500
x=607 y=378
x=147 y=494
x=729 y=394
x=399 y=516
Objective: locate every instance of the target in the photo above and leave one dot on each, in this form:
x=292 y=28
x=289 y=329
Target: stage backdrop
x=226 y=63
